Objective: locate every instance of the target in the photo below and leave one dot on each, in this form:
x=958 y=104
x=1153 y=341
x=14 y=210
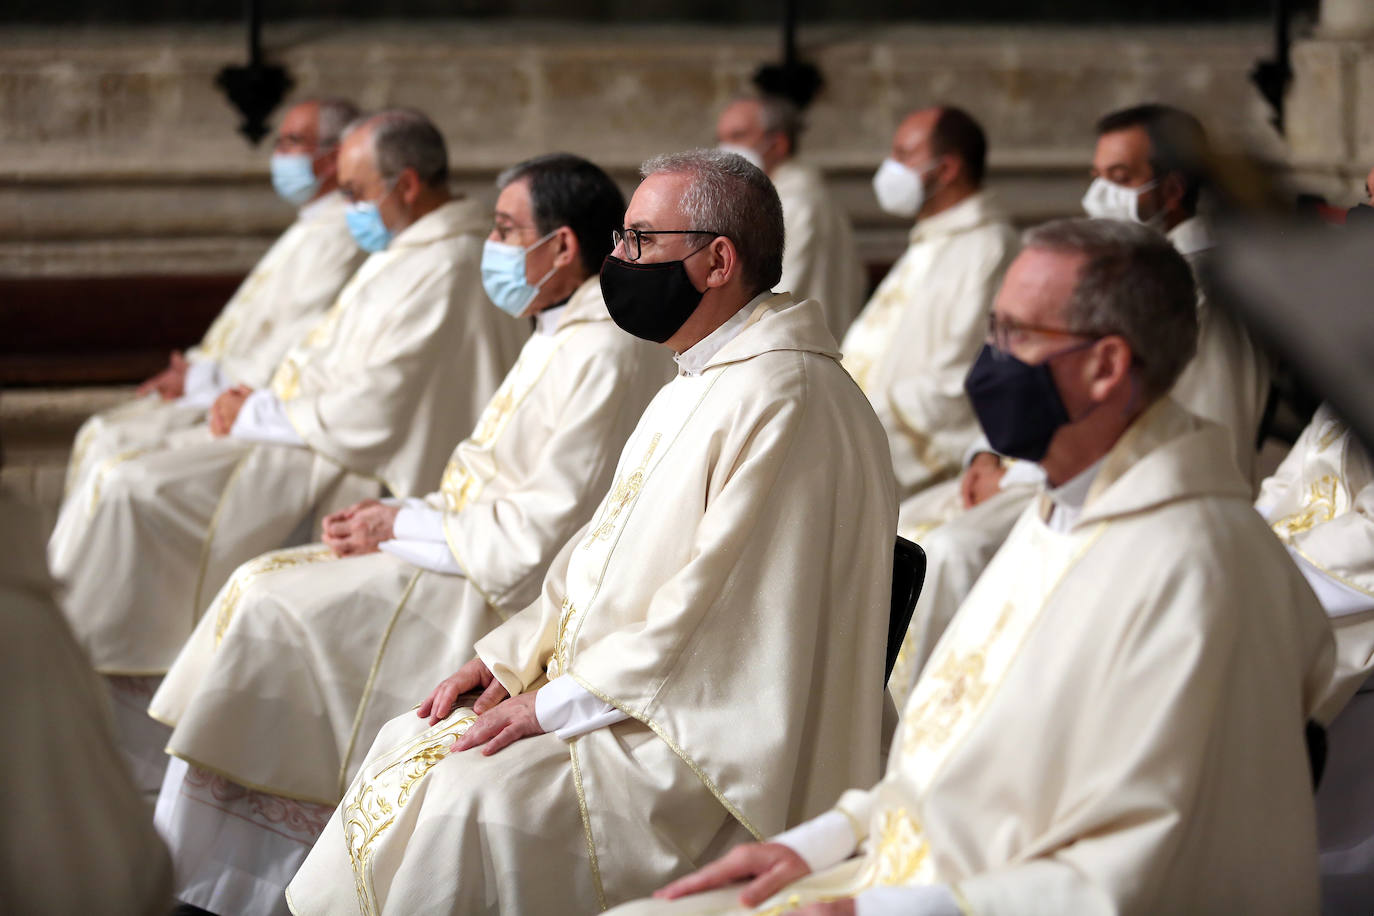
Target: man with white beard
x=285 y=292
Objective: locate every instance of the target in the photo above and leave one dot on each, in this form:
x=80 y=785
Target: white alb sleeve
x=825 y=840
x=435 y=557
x=203 y=383
x=418 y=521
x=909 y=900
x=565 y=708
x=262 y=418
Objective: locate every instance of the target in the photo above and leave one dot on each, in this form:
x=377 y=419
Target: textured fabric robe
x=379 y=391
x=303 y=656
x=77 y=838
x=1114 y=721
x=820 y=261
x=1226 y=382
x=915 y=340
x=730 y=595
x=1320 y=502
x=282 y=296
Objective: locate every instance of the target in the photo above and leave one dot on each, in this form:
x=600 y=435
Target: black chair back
x=908 y=575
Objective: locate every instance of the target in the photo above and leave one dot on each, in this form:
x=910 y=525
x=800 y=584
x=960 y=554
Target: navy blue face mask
x=1017 y=403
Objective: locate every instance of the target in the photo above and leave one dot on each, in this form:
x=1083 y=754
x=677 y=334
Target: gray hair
x=333 y=115
x=729 y=196
x=403 y=138
x=778 y=115
x=1133 y=283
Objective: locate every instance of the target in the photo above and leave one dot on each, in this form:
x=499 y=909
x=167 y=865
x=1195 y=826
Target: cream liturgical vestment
x=377 y=393
x=914 y=342
x=1320 y=502
x=77 y=838
x=730 y=596
x=303 y=656
x=820 y=261
x=284 y=294
x=1113 y=723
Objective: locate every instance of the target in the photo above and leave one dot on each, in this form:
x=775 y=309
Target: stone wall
x=118 y=155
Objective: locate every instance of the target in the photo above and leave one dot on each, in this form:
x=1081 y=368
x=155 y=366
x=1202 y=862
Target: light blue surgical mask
x=365 y=223
x=503 y=275
x=293 y=177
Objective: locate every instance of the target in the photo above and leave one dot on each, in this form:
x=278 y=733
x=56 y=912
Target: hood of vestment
x=779 y=322
x=1167 y=455
x=456 y=217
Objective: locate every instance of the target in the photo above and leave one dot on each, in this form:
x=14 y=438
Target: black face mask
x=1016 y=403
x=650 y=301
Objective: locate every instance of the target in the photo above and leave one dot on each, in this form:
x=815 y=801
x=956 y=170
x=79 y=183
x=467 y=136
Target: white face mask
x=1109 y=200
x=747 y=152
x=900 y=189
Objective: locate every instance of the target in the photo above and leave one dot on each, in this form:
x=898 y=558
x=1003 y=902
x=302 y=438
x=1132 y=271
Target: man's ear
x=569 y=251
x=408 y=186
x=724 y=262
x=1171 y=190
x=1110 y=367
x=327 y=165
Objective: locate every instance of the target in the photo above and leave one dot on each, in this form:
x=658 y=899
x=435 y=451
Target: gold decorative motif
x=286 y=381
x=625 y=492
x=1319 y=507
x=1334 y=429
x=559 y=662
x=901 y=851
x=372 y=806
x=253 y=570
x=960 y=685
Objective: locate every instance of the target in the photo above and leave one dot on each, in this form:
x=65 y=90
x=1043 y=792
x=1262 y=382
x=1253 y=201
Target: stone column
x=1347 y=18
x=1329 y=111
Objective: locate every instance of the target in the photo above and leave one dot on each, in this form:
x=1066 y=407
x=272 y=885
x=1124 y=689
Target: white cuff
x=417 y=521
x=262 y=418
x=980 y=445
x=823 y=841
x=1337 y=598
x=1022 y=472
x=565 y=708
x=203 y=383
x=909 y=900
x=424 y=554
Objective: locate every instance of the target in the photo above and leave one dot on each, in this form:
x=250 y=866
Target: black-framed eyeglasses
x=1003 y=333
x=633 y=239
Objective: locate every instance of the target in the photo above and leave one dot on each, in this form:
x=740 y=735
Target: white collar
x=313 y=209
x=546 y=322
x=1190 y=237
x=694 y=360
x=1068 y=498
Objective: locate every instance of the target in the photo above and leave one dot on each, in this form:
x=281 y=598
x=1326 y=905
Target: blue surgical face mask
x=293 y=177
x=366 y=225
x=503 y=275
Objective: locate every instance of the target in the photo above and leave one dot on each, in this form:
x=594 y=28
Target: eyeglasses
x=1004 y=332
x=633 y=239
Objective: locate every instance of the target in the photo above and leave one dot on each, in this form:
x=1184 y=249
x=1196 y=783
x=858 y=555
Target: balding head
x=312 y=128
x=947 y=146
x=769 y=125
x=398 y=159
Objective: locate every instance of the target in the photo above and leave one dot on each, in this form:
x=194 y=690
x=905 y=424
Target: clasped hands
x=226 y=409
x=170 y=383
x=502 y=719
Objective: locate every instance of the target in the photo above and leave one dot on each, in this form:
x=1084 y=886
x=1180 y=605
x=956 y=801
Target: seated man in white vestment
x=705 y=661
x=1114 y=721
x=307 y=651
x=77 y=838
x=289 y=289
x=1147 y=168
x=916 y=338
x=1320 y=502
x=374 y=396
x=821 y=261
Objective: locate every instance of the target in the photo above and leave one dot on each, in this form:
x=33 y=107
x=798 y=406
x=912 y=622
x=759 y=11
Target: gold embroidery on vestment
x=254 y=570
x=374 y=805
x=962 y=685
x=1319 y=507
x=625 y=492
